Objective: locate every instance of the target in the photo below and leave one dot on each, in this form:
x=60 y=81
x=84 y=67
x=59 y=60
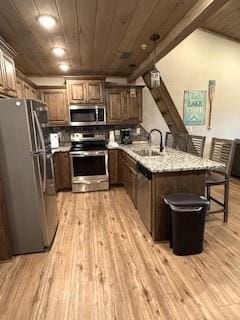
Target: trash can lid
x=186 y=200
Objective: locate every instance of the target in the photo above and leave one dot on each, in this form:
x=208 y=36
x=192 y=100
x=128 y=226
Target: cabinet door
x=10 y=76
x=133 y=109
x=26 y=90
x=115 y=105
x=33 y=93
x=76 y=91
x=57 y=105
x=113 y=166
x=20 y=93
x=95 y=92
x=62 y=171
x=2 y=71
x=133 y=185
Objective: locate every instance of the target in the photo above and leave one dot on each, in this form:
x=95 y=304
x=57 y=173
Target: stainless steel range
x=89 y=163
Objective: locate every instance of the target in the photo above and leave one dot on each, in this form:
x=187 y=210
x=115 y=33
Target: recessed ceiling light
x=47 y=21
x=59 y=52
x=64 y=67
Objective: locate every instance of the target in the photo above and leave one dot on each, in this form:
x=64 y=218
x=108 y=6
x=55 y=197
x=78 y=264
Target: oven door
x=89 y=170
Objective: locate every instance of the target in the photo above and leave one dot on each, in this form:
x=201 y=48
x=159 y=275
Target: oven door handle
x=88 y=154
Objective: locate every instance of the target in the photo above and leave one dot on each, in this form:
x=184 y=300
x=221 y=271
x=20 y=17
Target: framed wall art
x=194 y=107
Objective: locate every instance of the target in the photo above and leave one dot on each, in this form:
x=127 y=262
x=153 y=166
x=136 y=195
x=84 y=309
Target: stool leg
x=208 y=193
x=226 y=199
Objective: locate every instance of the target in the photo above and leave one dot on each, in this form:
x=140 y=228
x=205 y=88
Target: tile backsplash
x=137 y=131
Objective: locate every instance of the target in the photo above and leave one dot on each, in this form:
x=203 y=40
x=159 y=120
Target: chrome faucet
x=161 y=139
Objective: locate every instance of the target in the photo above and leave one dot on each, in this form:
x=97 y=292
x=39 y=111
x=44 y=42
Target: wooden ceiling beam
x=195 y=17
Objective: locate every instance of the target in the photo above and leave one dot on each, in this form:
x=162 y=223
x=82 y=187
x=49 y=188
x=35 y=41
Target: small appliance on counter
x=112 y=143
x=54 y=140
x=126 y=137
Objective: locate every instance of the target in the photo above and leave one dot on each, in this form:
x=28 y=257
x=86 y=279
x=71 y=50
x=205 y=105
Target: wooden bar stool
x=180 y=141
x=176 y=141
x=222 y=150
x=169 y=140
x=196 y=145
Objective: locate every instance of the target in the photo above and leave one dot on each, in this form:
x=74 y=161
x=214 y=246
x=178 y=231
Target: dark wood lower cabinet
x=62 y=171
x=113 y=166
x=167 y=183
x=128 y=175
x=5 y=252
x=161 y=185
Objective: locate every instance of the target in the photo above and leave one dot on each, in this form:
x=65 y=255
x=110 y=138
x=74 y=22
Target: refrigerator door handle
x=37 y=153
x=42 y=151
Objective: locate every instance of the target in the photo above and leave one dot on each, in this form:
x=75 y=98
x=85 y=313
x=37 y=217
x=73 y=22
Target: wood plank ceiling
x=226 y=21
x=94 y=32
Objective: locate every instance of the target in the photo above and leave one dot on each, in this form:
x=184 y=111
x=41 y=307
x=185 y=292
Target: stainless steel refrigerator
x=26 y=168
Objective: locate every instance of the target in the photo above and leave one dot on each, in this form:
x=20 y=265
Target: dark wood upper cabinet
x=8 y=85
x=34 y=94
x=10 y=75
x=84 y=91
x=56 y=101
x=20 y=93
x=115 y=99
x=121 y=108
x=76 y=91
x=95 y=91
x=25 y=88
x=134 y=107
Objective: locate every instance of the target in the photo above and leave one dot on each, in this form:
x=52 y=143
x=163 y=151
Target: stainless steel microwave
x=82 y=115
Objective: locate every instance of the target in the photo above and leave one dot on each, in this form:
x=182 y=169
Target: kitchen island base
x=167 y=183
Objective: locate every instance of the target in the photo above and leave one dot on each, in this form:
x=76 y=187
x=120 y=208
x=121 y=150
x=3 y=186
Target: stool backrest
x=181 y=141
x=222 y=150
x=169 y=140
x=196 y=145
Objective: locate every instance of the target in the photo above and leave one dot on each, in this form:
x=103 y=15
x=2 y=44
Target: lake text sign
x=194 y=109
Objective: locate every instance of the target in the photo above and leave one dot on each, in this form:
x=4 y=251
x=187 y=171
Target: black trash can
x=188 y=215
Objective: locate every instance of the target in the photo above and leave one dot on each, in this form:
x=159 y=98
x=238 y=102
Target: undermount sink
x=147 y=153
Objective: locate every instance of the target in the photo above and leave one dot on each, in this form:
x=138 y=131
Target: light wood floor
x=103 y=265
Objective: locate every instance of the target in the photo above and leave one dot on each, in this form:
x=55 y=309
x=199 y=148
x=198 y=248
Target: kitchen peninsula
x=149 y=177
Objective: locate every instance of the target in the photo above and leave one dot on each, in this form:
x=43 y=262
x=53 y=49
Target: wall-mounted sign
x=194 y=109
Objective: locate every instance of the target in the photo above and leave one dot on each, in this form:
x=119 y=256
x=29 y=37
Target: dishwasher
x=144 y=196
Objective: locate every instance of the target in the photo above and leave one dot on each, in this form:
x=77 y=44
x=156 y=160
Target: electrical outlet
x=117 y=132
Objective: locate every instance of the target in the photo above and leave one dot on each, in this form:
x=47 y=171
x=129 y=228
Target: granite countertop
x=170 y=160
x=65 y=148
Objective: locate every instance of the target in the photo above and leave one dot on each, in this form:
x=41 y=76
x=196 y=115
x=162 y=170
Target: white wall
x=200 y=58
